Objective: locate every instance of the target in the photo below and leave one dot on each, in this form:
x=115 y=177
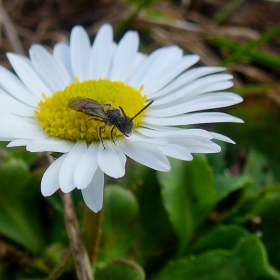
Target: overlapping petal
x=86 y=167
x=61 y=53
x=28 y=75
x=101 y=53
x=124 y=56
x=146 y=154
x=50 y=183
x=67 y=169
x=14 y=106
x=93 y=193
x=50 y=144
x=50 y=70
x=13 y=86
x=80 y=53
x=111 y=160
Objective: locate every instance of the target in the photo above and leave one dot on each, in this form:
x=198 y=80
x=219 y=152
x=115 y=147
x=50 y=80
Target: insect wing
x=88 y=106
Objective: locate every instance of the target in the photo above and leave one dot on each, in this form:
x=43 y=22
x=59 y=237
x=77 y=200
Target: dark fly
x=105 y=113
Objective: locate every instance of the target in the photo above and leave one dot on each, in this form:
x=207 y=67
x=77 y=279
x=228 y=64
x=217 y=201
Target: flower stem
x=91 y=232
x=81 y=260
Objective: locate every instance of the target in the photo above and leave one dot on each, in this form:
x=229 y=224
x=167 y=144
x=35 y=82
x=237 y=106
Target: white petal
x=11 y=122
x=216 y=82
x=66 y=174
x=86 y=167
x=146 y=154
x=136 y=137
x=136 y=79
x=18 y=143
x=193 y=118
x=14 y=106
x=7 y=139
x=176 y=151
x=157 y=59
x=165 y=61
x=51 y=144
x=137 y=61
x=19 y=127
x=80 y=53
x=50 y=182
x=155 y=85
x=167 y=131
x=28 y=75
x=6 y=117
x=196 y=144
x=124 y=56
x=23 y=134
x=101 y=48
x=221 y=137
x=186 y=78
x=14 y=87
x=111 y=160
x=93 y=194
x=197 y=103
x=61 y=53
x=50 y=71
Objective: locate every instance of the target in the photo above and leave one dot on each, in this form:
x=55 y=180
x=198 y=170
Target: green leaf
x=258 y=167
x=155 y=237
x=20 y=218
x=188 y=195
x=266 y=208
x=120 y=269
x=224 y=185
x=143 y=3
x=222 y=237
x=19 y=152
x=268 y=35
x=4 y=271
x=253 y=257
x=247 y=261
x=119 y=221
x=217 y=161
x=260 y=57
x=261 y=131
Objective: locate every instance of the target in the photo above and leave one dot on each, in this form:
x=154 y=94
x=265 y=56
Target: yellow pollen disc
x=57 y=119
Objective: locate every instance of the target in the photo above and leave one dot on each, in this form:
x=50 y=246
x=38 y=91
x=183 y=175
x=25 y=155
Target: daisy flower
x=35 y=111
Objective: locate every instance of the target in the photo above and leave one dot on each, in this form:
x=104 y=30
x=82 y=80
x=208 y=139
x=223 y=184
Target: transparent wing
x=88 y=106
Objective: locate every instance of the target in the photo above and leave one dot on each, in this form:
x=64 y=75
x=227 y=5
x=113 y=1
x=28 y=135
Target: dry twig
x=10 y=31
x=81 y=260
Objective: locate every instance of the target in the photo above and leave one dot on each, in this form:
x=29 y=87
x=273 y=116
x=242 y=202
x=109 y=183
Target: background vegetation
x=217 y=217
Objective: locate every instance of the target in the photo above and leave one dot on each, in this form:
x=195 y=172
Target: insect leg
x=112 y=137
x=100 y=136
x=100 y=129
x=96 y=119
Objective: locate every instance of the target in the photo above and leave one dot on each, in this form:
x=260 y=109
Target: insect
x=106 y=113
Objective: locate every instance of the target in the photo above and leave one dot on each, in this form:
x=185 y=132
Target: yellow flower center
x=57 y=119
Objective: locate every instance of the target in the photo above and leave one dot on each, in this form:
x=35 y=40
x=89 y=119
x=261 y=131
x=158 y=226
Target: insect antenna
x=143 y=109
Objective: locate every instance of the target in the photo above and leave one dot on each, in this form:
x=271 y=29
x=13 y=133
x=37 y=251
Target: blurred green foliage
x=195 y=222
x=18 y=200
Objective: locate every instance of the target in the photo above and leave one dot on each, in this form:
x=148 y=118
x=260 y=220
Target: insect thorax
x=112 y=116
